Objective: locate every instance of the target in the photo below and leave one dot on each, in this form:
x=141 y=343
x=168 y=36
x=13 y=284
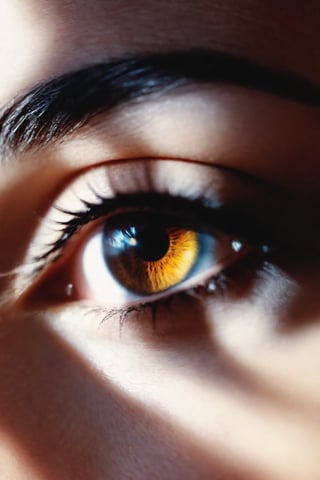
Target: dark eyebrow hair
x=52 y=110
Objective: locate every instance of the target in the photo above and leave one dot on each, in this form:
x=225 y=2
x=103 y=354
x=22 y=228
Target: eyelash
x=202 y=213
x=212 y=287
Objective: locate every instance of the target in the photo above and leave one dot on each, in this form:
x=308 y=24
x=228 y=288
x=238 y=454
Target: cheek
x=273 y=339
x=180 y=395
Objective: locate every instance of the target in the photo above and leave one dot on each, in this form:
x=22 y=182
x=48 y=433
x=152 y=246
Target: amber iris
x=148 y=259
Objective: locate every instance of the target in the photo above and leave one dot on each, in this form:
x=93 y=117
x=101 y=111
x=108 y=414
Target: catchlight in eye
x=150 y=257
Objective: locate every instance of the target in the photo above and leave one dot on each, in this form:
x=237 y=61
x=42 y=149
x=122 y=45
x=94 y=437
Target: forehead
x=40 y=40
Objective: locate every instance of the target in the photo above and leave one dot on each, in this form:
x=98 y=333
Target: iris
x=148 y=258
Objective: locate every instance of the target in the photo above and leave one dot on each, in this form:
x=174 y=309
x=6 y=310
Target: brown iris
x=148 y=258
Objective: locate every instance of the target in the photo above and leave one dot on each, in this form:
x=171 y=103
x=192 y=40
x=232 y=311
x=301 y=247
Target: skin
x=232 y=395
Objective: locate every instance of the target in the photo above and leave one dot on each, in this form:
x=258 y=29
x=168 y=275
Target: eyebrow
x=58 y=107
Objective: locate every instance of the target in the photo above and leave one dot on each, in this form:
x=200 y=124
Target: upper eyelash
x=201 y=212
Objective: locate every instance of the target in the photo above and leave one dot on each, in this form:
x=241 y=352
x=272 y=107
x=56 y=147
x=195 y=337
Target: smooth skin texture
x=227 y=388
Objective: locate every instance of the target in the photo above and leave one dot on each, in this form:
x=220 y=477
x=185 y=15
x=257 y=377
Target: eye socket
x=117 y=244
x=136 y=257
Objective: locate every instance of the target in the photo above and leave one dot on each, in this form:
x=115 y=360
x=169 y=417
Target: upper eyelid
x=104 y=208
x=200 y=215
x=203 y=183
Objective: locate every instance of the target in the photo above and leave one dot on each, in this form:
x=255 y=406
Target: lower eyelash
x=210 y=287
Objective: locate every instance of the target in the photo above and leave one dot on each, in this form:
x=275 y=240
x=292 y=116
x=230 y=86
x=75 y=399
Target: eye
x=136 y=256
x=117 y=240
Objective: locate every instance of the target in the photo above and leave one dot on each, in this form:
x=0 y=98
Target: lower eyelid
x=57 y=284
x=168 y=313
x=67 y=291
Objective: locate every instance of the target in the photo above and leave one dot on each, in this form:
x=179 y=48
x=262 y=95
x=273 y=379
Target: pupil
x=152 y=243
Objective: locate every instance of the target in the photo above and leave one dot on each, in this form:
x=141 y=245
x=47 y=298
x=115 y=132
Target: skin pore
x=221 y=385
